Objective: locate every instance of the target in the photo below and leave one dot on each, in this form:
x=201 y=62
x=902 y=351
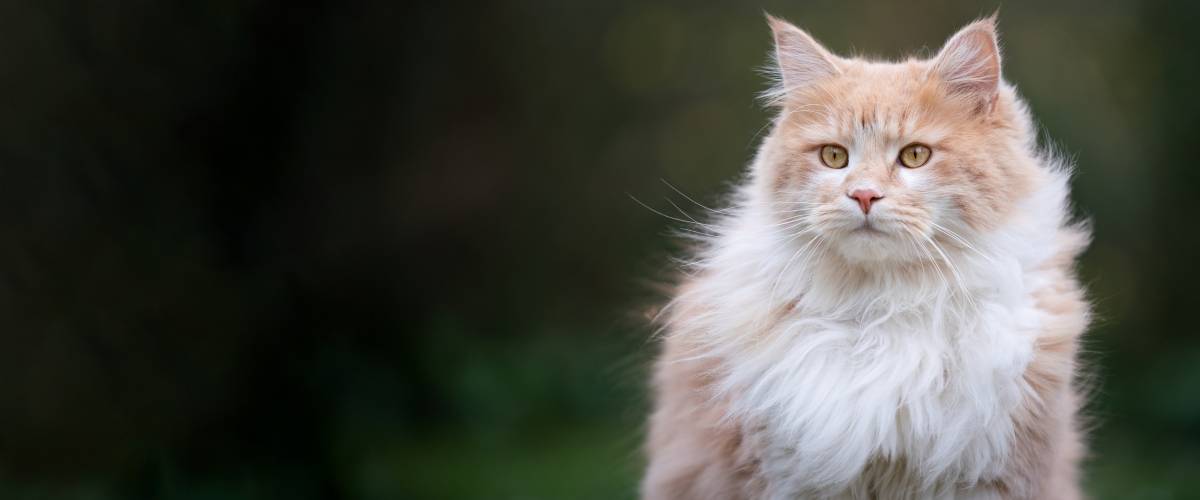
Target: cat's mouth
x=868 y=229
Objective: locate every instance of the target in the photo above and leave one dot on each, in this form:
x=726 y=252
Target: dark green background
x=358 y=250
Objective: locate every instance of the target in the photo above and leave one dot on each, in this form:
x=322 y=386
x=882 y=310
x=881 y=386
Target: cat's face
x=883 y=161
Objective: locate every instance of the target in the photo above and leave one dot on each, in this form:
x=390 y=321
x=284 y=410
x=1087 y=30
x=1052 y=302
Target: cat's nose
x=865 y=198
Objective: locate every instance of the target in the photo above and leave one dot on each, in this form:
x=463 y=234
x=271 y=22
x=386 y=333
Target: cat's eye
x=834 y=156
x=915 y=155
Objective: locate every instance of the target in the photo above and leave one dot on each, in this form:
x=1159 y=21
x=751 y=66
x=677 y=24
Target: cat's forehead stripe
x=882 y=120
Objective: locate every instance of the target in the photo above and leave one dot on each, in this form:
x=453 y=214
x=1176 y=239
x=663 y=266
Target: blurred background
x=350 y=250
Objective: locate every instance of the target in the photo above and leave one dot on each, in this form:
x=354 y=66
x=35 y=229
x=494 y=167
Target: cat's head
x=874 y=158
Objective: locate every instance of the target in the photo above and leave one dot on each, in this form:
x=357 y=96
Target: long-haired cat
x=888 y=308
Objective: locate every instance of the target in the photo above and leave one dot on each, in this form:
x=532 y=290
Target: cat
x=888 y=307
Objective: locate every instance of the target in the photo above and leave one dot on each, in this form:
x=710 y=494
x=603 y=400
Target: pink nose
x=865 y=198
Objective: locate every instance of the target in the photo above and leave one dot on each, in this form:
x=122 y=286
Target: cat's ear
x=969 y=64
x=800 y=59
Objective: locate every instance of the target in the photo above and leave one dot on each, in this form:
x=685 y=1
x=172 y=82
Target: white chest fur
x=832 y=400
x=912 y=389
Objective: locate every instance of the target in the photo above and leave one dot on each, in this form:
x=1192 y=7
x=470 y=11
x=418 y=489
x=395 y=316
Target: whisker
x=953 y=270
x=681 y=211
x=788 y=221
x=911 y=233
x=652 y=209
x=962 y=241
x=779 y=277
x=801 y=203
x=689 y=198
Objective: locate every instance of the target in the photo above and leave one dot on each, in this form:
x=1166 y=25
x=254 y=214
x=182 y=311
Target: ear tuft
x=800 y=60
x=969 y=64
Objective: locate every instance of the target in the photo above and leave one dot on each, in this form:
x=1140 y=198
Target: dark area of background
x=253 y=249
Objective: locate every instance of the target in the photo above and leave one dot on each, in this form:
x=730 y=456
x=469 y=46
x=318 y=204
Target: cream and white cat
x=889 y=307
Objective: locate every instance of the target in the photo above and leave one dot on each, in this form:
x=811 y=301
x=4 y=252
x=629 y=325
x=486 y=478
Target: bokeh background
x=349 y=250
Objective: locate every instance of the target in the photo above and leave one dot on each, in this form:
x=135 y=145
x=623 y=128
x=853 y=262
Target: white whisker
x=689 y=198
x=652 y=209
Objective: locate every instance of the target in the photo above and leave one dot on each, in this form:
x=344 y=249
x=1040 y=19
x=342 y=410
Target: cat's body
x=915 y=342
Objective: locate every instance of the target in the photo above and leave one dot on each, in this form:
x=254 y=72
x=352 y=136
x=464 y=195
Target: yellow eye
x=834 y=156
x=915 y=155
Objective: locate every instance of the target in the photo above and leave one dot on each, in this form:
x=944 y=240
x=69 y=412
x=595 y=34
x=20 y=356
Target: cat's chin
x=871 y=245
